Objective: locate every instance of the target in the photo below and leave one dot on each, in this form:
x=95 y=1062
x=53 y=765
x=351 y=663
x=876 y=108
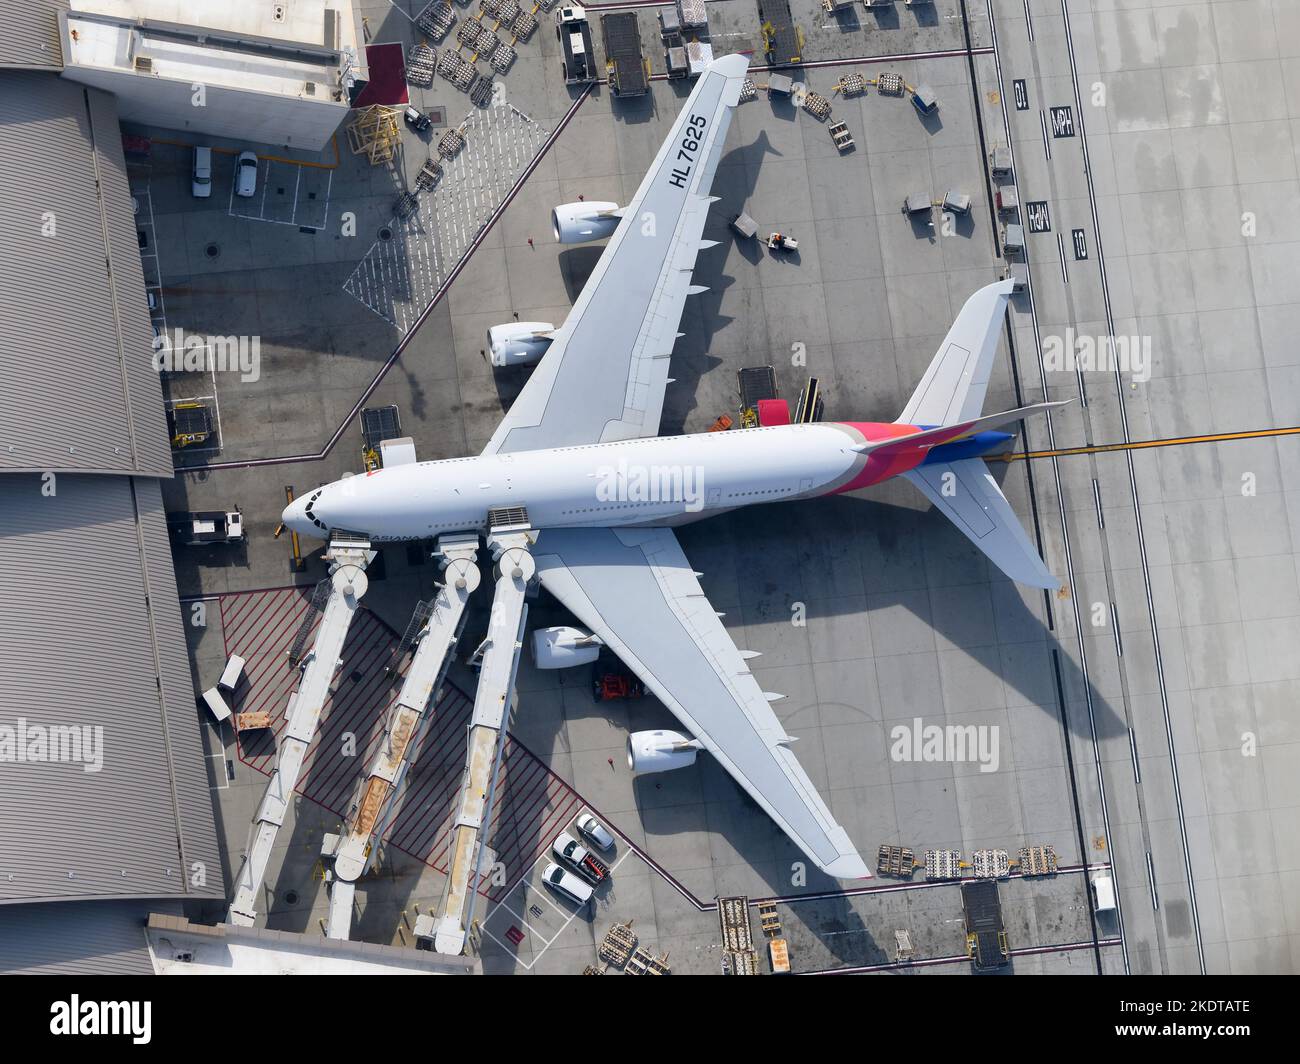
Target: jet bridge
x=353 y=850
x=510 y=545
x=348 y=559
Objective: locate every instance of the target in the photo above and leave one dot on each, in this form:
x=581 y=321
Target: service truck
x=203 y=528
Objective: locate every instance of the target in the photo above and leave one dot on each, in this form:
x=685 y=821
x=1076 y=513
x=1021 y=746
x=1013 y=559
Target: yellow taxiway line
x=1140 y=445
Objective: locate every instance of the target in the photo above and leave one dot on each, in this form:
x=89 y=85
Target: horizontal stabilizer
x=967 y=493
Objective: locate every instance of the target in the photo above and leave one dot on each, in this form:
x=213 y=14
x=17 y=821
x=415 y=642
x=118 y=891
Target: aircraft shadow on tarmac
x=885 y=540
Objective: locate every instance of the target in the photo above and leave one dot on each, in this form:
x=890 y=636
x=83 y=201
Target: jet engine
x=521 y=343
x=577 y=223
x=563 y=648
x=660 y=751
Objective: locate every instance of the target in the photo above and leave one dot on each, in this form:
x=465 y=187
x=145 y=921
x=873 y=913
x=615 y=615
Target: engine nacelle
x=521 y=343
x=660 y=751
x=563 y=648
x=577 y=223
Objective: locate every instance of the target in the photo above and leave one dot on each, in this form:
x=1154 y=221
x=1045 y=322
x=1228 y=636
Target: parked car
x=596 y=832
x=579 y=858
x=567 y=884
x=201 y=174
x=246 y=174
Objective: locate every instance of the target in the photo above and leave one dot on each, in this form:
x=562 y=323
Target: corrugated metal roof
x=31 y=33
x=78 y=938
x=77 y=387
x=90 y=636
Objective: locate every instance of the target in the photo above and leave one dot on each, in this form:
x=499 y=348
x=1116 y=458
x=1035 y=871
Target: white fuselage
x=664 y=480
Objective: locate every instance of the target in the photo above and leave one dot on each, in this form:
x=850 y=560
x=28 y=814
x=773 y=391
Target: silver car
x=595 y=831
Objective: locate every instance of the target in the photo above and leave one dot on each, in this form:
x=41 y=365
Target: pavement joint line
x=1072 y=581
x=1137 y=507
x=273 y=158
x=961 y=958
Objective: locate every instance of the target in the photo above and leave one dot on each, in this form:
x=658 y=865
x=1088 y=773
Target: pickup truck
x=580 y=859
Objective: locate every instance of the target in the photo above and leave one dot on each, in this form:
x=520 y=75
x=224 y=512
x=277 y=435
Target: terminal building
x=277 y=73
x=106 y=811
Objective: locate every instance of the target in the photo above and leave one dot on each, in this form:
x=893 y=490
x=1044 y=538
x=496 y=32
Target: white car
x=595 y=831
x=246 y=174
x=201 y=173
x=567 y=884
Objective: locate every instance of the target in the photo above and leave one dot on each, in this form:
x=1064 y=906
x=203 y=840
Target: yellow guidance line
x=1141 y=445
x=273 y=158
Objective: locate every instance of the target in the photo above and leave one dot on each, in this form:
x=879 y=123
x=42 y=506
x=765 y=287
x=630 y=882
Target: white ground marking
x=398 y=278
x=569 y=912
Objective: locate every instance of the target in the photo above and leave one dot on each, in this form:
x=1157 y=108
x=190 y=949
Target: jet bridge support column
x=354 y=851
x=496 y=681
x=348 y=561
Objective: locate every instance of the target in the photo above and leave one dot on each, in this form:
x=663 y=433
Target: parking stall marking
x=569 y=912
x=307 y=213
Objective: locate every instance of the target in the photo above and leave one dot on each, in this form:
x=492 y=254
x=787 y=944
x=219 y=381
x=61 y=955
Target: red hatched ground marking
x=532 y=804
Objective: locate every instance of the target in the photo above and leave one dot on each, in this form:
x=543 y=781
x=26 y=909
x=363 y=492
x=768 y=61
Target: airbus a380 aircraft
x=579 y=451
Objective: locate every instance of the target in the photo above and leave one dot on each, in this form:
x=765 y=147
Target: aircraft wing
x=635 y=589
x=953 y=388
x=967 y=493
x=604 y=375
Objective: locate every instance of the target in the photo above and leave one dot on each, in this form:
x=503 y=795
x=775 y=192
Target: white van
x=567 y=884
x=216 y=704
x=230 y=675
x=1103 y=894
x=201 y=176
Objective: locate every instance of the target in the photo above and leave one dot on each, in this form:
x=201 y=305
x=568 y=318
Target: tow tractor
x=417 y=120
x=580 y=859
x=781 y=242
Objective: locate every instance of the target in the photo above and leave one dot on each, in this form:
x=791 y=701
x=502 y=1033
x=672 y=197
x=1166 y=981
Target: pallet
x=480 y=93
x=429 y=175
x=642 y=962
x=419 y=65
x=817 y=106
x=502 y=58
x=852 y=85
x=890 y=84
x=436 y=20
x=450 y=143
x=454 y=68
x=733 y=919
x=618 y=945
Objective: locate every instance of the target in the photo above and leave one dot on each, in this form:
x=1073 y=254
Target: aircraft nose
x=295 y=516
